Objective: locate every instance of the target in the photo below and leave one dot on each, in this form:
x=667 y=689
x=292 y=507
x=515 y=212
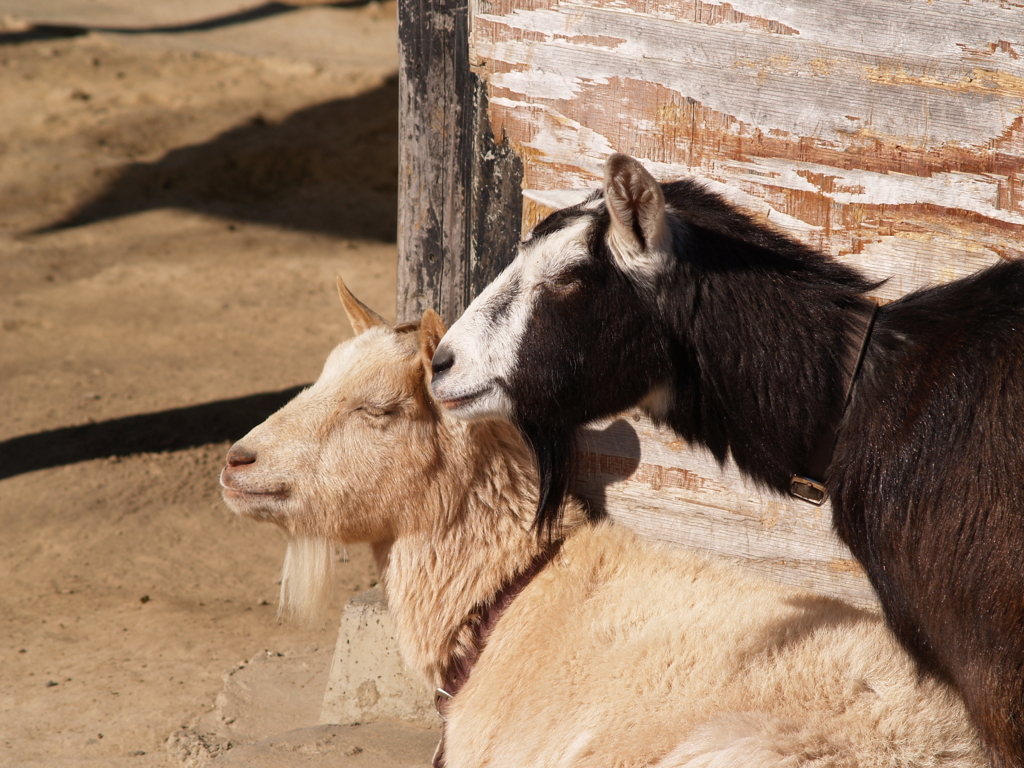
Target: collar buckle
x=807 y=490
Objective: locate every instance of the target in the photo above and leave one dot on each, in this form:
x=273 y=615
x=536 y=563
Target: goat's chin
x=272 y=506
x=490 y=403
x=307 y=580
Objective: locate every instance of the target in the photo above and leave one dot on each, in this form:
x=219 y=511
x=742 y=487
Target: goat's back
x=624 y=653
x=929 y=486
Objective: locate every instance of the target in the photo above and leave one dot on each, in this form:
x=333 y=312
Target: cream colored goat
x=619 y=652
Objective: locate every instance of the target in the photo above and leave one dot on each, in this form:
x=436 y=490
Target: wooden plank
x=495 y=203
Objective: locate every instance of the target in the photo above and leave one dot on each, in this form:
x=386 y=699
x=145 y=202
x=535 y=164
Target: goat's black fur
x=754 y=336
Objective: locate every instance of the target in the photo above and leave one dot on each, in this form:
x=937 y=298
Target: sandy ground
x=173 y=208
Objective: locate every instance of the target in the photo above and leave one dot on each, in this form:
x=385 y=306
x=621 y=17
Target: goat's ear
x=431 y=330
x=360 y=316
x=637 y=208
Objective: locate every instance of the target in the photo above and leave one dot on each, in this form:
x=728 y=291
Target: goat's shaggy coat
x=618 y=652
x=744 y=341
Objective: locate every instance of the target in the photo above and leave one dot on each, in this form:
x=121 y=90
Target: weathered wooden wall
x=886 y=132
x=889 y=132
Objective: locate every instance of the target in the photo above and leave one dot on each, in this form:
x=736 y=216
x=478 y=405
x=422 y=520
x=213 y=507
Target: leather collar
x=483 y=619
x=810 y=487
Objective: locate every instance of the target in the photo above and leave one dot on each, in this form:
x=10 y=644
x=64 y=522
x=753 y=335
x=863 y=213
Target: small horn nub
x=360 y=316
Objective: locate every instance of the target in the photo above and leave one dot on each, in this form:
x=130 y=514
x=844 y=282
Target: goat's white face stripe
x=485 y=341
x=558 y=251
x=482 y=356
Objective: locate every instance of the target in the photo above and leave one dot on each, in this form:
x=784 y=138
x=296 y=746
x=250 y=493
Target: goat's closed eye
x=375 y=411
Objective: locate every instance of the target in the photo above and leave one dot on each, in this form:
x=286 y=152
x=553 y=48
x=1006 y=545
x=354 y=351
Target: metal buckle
x=807 y=490
x=441 y=696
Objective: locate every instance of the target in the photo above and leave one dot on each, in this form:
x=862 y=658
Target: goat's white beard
x=307 y=579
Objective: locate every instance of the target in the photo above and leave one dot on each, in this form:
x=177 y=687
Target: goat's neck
x=478 y=539
x=763 y=363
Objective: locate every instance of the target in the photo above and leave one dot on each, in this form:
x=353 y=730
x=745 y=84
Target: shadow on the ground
x=38 y=32
x=331 y=168
x=171 y=430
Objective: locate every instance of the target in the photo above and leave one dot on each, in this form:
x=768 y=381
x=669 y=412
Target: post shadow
x=330 y=168
x=38 y=32
x=172 y=430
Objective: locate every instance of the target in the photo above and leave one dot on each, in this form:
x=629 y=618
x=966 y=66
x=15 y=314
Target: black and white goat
x=746 y=342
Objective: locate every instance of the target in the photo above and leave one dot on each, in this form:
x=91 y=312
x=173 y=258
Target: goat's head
x=563 y=335
x=345 y=459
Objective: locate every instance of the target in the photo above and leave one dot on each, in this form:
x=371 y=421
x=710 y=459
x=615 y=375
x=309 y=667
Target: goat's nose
x=240 y=455
x=442 y=360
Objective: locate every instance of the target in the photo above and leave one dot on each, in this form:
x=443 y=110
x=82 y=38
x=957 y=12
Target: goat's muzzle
x=243 y=489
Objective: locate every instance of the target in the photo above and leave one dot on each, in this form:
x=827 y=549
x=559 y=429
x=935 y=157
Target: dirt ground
x=171 y=220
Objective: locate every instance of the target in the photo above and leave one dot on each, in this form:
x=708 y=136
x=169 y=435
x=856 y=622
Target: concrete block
x=368 y=680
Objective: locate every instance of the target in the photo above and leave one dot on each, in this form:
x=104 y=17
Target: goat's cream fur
x=619 y=652
x=307 y=578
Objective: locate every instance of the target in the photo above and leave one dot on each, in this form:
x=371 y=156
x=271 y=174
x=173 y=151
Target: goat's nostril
x=238 y=456
x=443 y=359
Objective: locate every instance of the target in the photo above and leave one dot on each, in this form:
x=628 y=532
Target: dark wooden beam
x=459 y=193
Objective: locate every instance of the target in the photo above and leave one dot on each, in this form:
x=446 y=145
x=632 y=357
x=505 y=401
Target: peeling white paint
x=540 y=85
x=909 y=264
x=958 y=191
x=587 y=147
x=556 y=199
x=917 y=28
x=941 y=100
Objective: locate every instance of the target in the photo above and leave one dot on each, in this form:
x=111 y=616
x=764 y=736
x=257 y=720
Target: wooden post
x=459 y=192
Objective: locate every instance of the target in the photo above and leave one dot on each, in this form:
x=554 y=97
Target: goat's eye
x=567 y=282
x=375 y=411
